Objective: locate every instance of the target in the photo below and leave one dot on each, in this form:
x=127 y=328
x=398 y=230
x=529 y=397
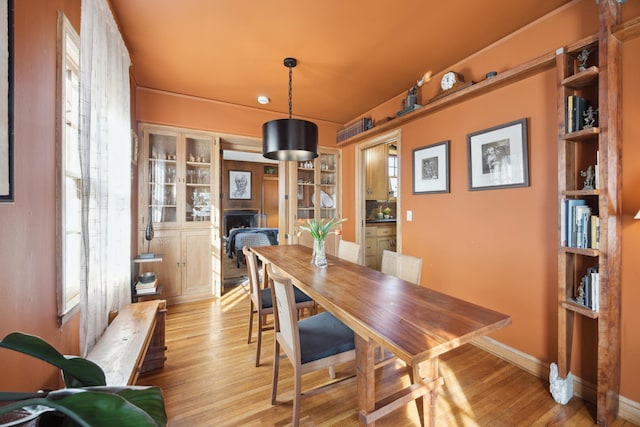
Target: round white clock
x=450 y=79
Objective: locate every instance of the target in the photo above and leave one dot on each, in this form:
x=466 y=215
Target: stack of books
x=579 y=226
x=147 y=288
x=354 y=129
x=575 y=113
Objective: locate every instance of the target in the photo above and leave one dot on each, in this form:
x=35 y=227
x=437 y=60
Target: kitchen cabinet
x=377 y=172
x=378 y=237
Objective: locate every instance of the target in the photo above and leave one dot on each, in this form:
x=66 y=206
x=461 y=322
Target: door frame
x=393 y=137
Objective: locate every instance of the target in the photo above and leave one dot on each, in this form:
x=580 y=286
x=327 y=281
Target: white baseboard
x=628 y=409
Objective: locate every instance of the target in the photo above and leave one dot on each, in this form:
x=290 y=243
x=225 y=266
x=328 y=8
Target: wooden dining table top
x=414 y=322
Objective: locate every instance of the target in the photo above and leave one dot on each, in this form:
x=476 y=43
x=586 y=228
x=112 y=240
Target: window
x=69 y=180
x=393 y=172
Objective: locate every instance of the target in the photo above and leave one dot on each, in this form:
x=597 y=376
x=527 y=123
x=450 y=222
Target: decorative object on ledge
x=411 y=102
x=148 y=235
x=354 y=129
x=431 y=168
x=450 y=82
x=498 y=157
x=589 y=176
x=590 y=117
x=490 y=74
x=290 y=139
x=583 y=57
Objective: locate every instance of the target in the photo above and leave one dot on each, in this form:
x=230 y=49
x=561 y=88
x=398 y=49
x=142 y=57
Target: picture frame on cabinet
x=498 y=156
x=6 y=111
x=239 y=185
x=431 y=168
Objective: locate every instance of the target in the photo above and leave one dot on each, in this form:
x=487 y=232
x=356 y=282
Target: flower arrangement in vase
x=319 y=230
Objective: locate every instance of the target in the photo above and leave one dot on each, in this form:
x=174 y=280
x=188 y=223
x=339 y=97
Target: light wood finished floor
x=209 y=379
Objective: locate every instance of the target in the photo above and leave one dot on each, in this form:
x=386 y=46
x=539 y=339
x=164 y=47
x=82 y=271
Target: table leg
x=426 y=405
x=365 y=369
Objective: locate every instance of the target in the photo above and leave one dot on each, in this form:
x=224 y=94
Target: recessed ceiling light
x=263 y=99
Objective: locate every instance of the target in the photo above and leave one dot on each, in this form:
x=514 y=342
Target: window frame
x=67 y=209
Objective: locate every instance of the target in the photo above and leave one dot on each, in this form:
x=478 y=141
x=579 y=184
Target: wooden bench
x=133 y=343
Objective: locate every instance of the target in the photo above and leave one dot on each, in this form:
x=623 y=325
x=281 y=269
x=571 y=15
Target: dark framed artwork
x=431 y=168
x=239 y=185
x=6 y=93
x=498 y=157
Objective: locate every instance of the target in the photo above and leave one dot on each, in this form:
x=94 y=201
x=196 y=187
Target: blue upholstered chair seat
x=322 y=336
x=268 y=303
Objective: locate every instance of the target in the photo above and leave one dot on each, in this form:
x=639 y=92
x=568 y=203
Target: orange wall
x=27 y=227
x=498 y=248
x=202 y=114
x=630 y=227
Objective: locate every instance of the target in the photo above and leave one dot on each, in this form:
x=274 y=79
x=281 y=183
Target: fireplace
x=240 y=218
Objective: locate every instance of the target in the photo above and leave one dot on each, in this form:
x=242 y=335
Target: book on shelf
x=568 y=218
x=595 y=232
x=575 y=107
x=588 y=292
x=582 y=226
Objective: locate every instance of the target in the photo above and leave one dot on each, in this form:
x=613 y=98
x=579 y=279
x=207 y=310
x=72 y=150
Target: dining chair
x=310 y=344
x=249 y=240
x=261 y=302
x=349 y=251
x=405 y=267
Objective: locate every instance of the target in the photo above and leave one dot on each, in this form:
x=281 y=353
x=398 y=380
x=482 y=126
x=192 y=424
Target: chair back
x=253 y=239
x=349 y=251
x=252 y=271
x=285 y=313
x=405 y=267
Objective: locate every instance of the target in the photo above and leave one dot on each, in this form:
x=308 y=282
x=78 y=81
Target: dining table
x=417 y=324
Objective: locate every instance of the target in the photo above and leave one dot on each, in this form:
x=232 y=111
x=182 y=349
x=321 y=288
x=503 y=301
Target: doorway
x=242 y=157
x=378 y=183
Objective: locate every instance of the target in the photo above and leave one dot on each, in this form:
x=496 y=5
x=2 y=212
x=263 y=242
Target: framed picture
x=240 y=185
x=6 y=105
x=431 y=168
x=498 y=157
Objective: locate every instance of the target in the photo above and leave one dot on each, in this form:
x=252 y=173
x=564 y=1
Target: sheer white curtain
x=105 y=152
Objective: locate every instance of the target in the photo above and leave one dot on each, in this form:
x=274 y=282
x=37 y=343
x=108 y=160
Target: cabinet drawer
x=370 y=244
x=370 y=231
x=386 y=231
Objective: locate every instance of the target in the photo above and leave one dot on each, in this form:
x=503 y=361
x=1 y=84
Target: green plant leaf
x=103 y=408
x=76 y=371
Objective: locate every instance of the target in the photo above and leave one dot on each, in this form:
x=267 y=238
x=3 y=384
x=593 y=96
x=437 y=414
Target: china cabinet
x=316 y=185
x=175 y=187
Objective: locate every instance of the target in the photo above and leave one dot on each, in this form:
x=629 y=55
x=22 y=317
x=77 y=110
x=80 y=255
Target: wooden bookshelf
x=596 y=82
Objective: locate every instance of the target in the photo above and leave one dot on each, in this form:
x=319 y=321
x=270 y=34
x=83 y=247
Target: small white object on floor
x=561 y=389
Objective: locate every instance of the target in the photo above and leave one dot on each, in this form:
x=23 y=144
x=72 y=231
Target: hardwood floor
x=209 y=379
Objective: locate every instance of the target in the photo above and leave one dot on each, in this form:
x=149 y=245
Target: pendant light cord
x=290 y=90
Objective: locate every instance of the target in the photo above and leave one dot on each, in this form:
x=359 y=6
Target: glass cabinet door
x=162 y=178
x=197 y=179
x=328 y=197
x=306 y=189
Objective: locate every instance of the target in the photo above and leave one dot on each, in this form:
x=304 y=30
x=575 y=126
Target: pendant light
x=290 y=139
